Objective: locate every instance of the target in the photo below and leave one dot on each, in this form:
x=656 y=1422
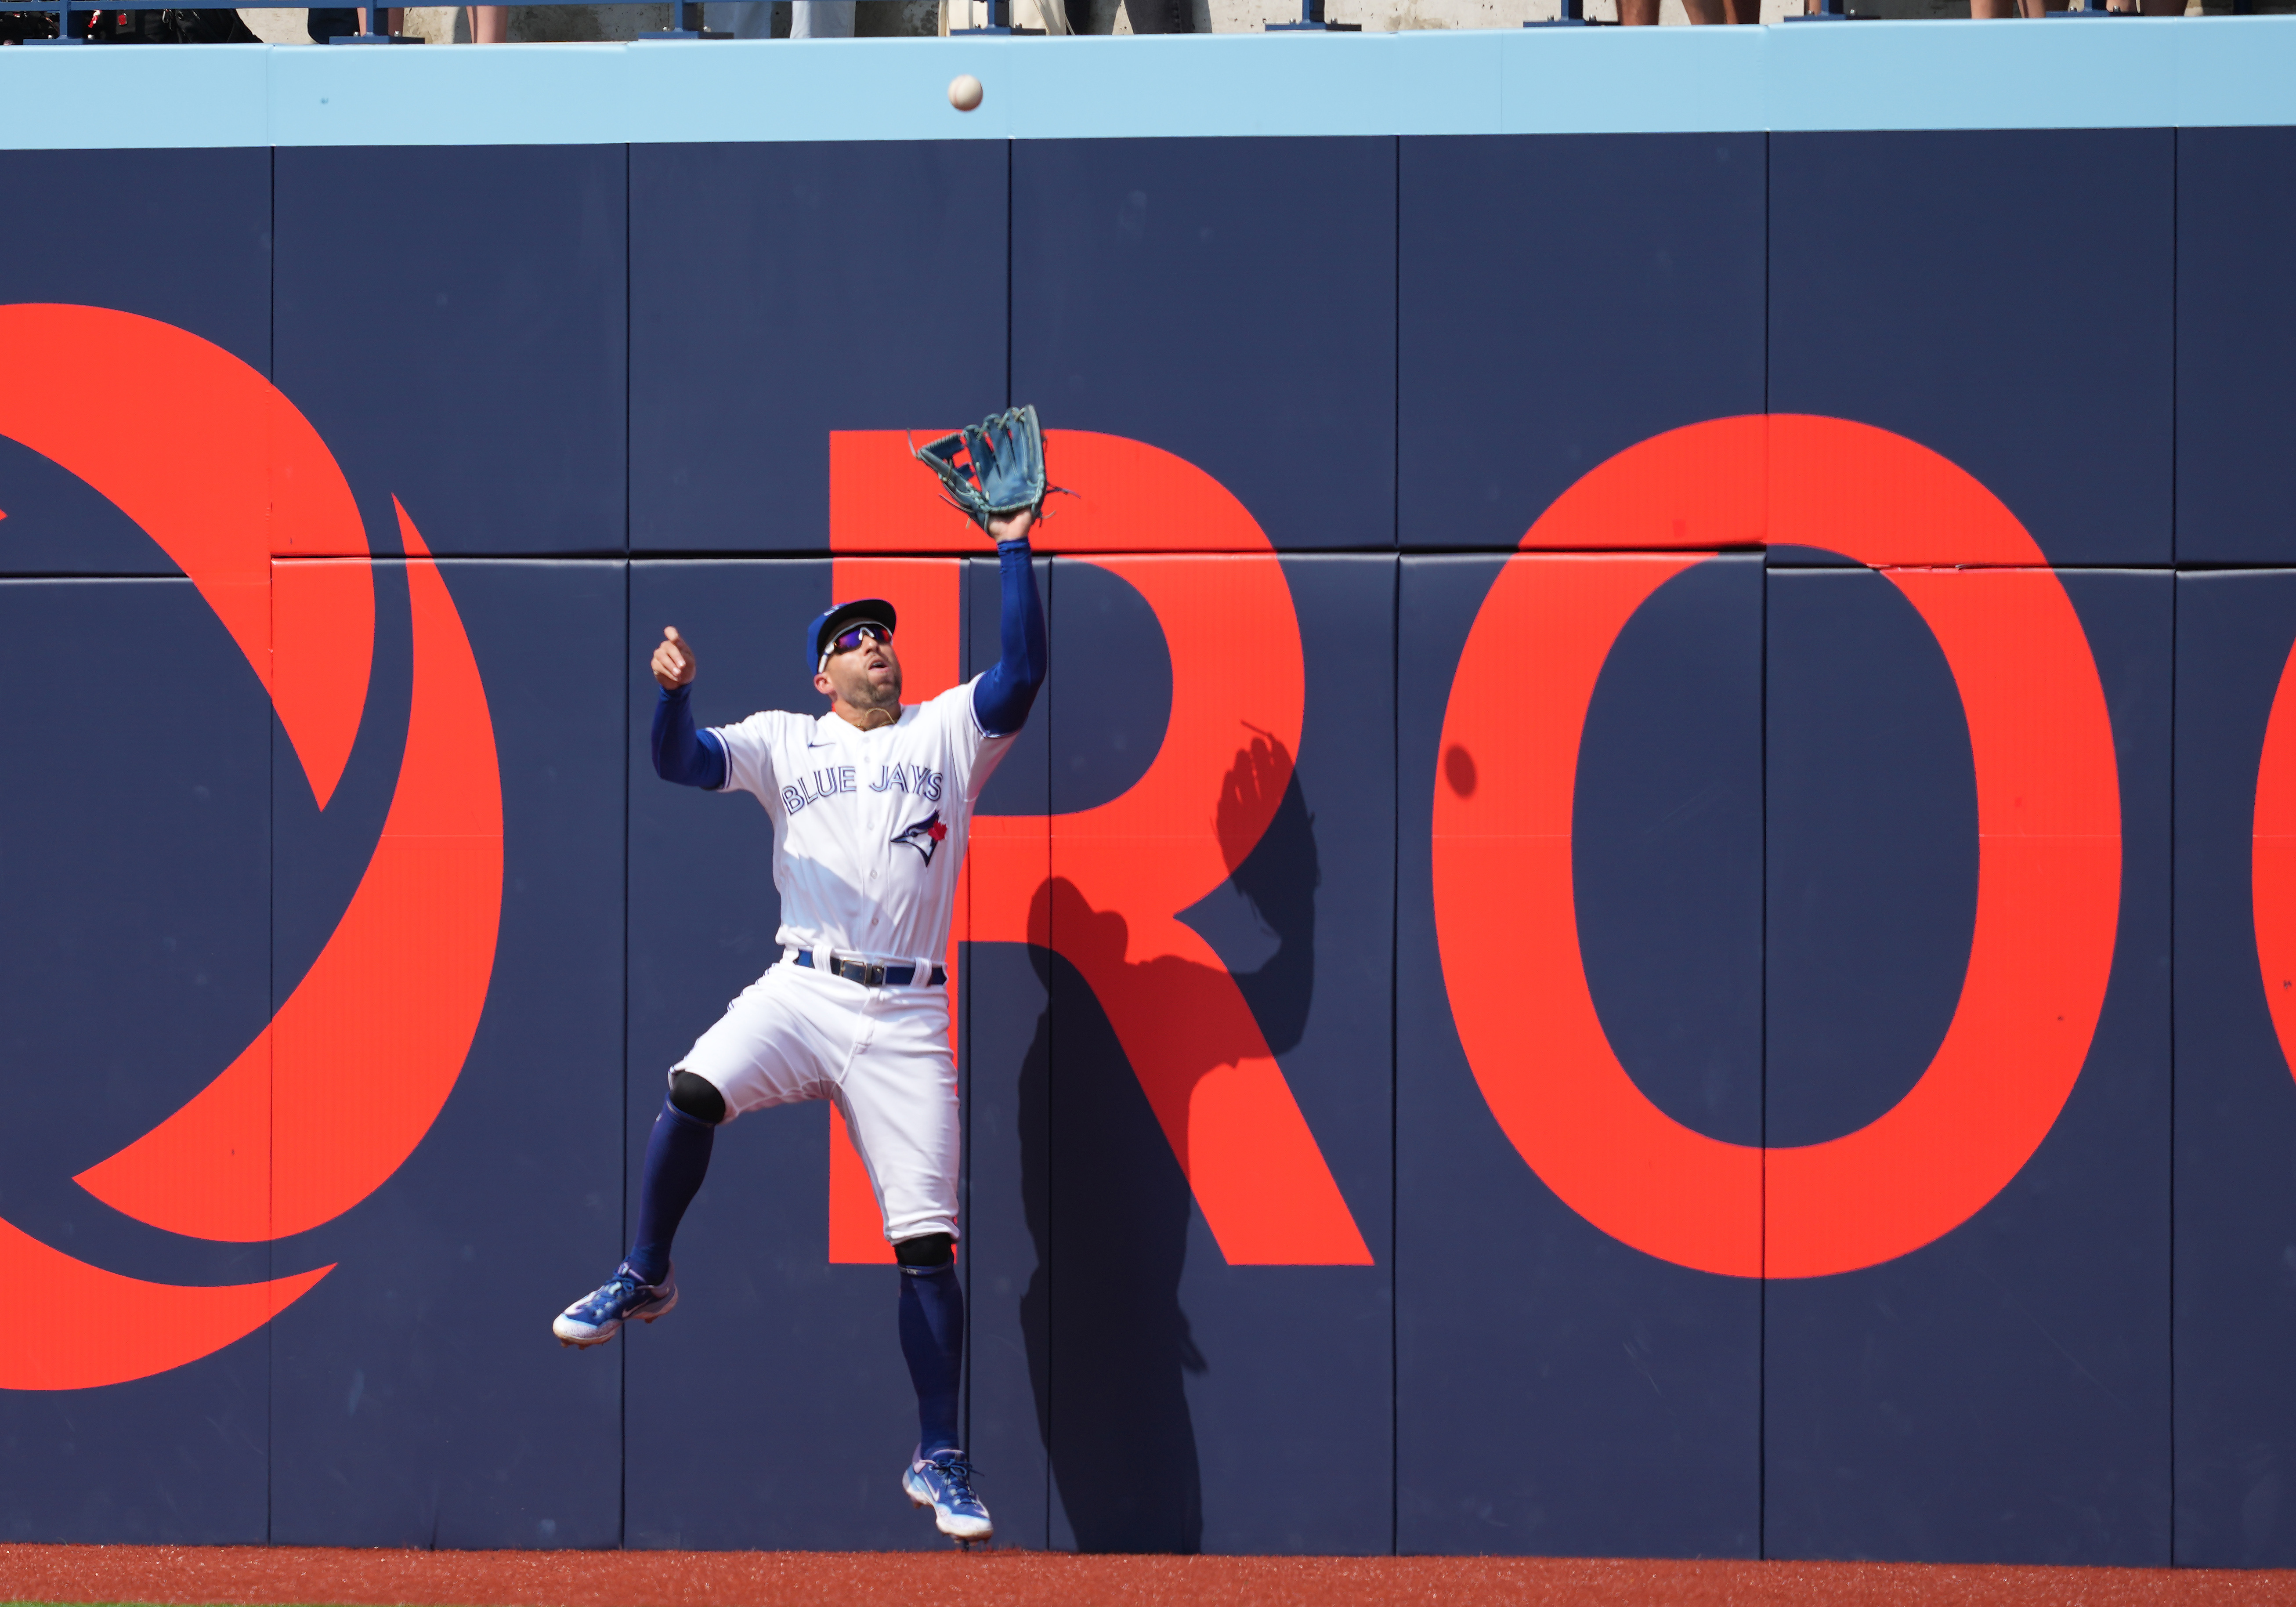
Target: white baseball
x=964 y=92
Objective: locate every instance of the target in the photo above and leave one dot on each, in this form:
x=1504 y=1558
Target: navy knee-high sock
x=932 y=1338
x=677 y=1157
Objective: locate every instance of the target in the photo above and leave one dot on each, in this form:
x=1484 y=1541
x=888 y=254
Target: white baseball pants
x=881 y=1053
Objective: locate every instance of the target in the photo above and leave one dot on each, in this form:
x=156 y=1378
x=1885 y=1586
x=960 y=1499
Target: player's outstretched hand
x=1001 y=530
x=673 y=660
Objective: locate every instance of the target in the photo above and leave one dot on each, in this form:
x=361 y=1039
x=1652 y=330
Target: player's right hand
x=673 y=660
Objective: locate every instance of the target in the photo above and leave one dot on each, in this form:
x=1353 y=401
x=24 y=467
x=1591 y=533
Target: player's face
x=864 y=676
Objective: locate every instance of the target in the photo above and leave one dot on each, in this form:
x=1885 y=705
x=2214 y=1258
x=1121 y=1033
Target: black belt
x=872 y=976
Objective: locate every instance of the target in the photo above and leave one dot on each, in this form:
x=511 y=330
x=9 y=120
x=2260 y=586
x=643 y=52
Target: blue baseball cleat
x=944 y=1482
x=597 y=1316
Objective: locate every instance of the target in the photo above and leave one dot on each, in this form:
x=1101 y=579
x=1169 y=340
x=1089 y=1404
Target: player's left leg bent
x=775 y=1043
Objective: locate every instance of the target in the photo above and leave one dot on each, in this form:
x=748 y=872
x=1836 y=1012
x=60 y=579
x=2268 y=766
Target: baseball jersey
x=869 y=826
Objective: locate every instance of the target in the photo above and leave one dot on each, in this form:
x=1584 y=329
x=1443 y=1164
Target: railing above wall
x=2147 y=72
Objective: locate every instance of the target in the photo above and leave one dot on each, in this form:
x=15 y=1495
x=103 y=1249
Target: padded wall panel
x=137 y=943
x=418 y=1398
x=2001 y=1393
x=1006 y=1073
x=765 y=284
x=2002 y=297
x=1557 y=1390
x=773 y=1408
x=88 y=228
x=1231 y=300
x=2235 y=1279
x=1200 y=1389
x=1633 y=268
x=452 y=320
x=2235 y=344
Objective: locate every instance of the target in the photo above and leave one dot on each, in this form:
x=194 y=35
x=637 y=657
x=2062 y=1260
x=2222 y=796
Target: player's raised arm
x=1002 y=699
x=690 y=758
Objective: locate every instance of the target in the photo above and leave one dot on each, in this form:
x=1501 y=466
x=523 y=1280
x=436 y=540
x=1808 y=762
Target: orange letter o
x=2048 y=854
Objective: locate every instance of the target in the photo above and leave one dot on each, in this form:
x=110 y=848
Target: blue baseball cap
x=826 y=627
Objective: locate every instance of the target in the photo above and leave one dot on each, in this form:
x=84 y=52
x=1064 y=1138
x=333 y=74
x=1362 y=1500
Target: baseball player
x=870 y=804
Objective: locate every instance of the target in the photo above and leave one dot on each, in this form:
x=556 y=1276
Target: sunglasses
x=846 y=641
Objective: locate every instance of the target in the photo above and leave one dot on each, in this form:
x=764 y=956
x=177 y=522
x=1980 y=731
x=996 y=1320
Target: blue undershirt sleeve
x=690 y=758
x=1002 y=699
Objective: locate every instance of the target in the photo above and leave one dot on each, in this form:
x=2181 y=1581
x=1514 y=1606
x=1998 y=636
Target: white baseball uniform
x=869 y=832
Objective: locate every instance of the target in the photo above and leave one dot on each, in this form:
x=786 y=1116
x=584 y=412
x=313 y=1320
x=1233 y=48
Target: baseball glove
x=994 y=469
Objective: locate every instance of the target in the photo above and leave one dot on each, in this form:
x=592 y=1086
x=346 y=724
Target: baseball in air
x=964 y=92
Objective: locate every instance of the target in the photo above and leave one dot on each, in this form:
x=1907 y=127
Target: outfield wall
x=1649 y=910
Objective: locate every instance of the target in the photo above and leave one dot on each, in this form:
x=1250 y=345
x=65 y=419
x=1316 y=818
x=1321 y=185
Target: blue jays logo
x=925 y=836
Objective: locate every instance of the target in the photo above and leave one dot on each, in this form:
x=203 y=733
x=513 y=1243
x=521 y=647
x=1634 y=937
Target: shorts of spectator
x=808 y=19
x=489 y=24
x=1644 y=13
x=1045 y=16
x=1140 y=16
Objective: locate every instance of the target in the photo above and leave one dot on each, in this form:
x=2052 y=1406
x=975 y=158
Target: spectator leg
x=490 y=25
x=821 y=19
x=743 y=19
x=1638 y=13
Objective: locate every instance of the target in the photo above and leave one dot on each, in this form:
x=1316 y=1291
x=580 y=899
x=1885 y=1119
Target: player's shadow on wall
x=1107 y=1205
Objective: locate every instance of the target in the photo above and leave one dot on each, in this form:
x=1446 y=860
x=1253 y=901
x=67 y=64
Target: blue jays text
x=827 y=783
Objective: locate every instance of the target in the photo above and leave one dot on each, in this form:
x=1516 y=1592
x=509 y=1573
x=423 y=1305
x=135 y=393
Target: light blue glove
x=992 y=471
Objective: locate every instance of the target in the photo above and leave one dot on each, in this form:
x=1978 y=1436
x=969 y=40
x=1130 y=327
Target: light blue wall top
x=2191 y=72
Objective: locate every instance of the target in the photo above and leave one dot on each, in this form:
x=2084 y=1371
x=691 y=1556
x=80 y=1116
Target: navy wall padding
x=2236 y=1104
x=1229 y=300
x=1872 y=852
x=206 y=214
x=1189 y=1404
x=772 y=1408
x=1126 y=1470
x=95 y=228
x=419 y=1398
x=781 y=292
x=1633 y=272
x=138 y=897
x=1557 y=1392
x=2235 y=344
x=1004 y=1076
x=58 y=524
x=452 y=321
x=2001 y=1394
x=1295 y=1403
x=1395 y=353
x=318 y=855
x=1117 y=687
x=2005 y=298
x=1286 y=1371
x=1666 y=828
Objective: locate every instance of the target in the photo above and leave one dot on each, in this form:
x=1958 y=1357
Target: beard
x=877 y=704
x=870 y=695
